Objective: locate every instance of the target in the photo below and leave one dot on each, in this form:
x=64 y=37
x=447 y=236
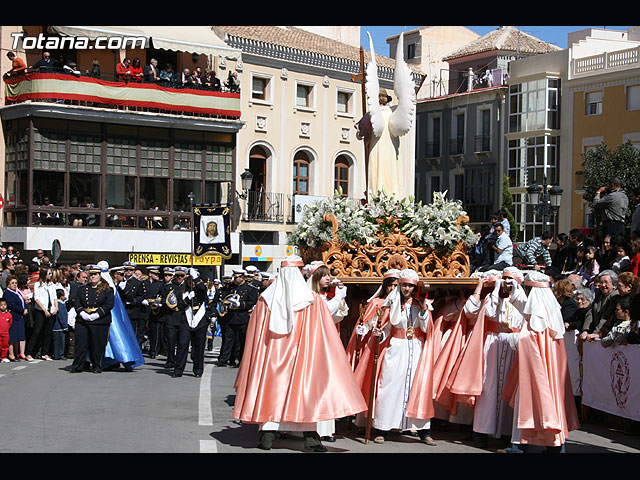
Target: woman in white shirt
x=45 y=309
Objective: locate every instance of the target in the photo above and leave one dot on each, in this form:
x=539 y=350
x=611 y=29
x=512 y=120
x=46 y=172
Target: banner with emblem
x=611 y=379
x=212 y=230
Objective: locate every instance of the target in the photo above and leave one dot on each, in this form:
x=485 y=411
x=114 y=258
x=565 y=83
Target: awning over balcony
x=38 y=86
x=190 y=38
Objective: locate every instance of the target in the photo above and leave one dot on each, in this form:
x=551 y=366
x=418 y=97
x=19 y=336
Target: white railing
x=621 y=58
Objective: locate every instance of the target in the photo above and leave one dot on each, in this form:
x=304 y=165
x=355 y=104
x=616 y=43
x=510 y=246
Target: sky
x=556 y=35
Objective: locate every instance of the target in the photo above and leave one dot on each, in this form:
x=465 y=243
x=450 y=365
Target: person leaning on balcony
x=123 y=70
x=136 y=70
x=151 y=73
x=45 y=64
x=18 y=67
x=95 y=69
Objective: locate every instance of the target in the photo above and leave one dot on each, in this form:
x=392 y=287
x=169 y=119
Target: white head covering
x=104 y=273
x=394 y=300
x=391 y=273
x=513 y=272
x=288 y=294
x=542 y=307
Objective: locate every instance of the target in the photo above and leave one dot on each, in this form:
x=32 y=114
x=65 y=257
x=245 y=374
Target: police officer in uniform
x=132 y=302
x=193 y=328
x=148 y=297
x=221 y=301
x=172 y=311
x=241 y=305
x=93 y=303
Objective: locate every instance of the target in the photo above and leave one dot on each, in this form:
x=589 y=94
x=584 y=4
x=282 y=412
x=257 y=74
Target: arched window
x=341 y=175
x=301 y=165
x=258 y=166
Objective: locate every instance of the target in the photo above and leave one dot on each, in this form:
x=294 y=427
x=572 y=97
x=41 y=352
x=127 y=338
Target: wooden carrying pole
x=372 y=387
x=358 y=340
x=361 y=77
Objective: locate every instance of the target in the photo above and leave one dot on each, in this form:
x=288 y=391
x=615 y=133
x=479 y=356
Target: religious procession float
x=360 y=242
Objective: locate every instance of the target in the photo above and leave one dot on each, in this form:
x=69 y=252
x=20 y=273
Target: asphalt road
x=45 y=409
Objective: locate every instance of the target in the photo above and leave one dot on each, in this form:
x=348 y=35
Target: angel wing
x=402 y=117
x=372 y=87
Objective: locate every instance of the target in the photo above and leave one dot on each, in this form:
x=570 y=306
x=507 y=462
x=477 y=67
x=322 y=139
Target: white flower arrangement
x=433 y=225
x=353 y=224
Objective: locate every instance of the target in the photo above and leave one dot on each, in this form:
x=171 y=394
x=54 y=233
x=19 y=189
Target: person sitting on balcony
x=196 y=78
x=167 y=76
x=124 y=71
x=95 y=69
x=151 y=74
x=184 y=79
x=45 y=64
x=216 y=84
x=71 y=68
x=18 y=67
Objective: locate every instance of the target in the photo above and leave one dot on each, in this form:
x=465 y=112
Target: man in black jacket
x=193 y=328
x=129 y=293
x=172 y=312
x=147 y=297
x=240 y=307
x=220 y=301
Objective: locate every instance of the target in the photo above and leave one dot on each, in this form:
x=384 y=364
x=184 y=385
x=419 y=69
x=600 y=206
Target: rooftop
x=505 y=38
x=299 y=39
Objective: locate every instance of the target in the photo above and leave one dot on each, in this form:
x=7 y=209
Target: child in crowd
x=590 y=267
x=5 y=324
x=621 y=325
x=622 y=260
x=60 y=326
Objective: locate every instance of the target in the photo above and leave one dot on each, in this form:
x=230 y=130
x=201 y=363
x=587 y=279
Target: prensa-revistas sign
x=111 y=42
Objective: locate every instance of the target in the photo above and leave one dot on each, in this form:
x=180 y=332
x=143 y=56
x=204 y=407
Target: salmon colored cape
x=421 y=395
x=353 y=352
x=301 y=377
x=540 y=374
x=464 y=384
x=447 y=356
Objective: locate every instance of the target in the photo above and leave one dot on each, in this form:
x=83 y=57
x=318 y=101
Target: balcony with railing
x=433 y=150
x=456 y=146
x=157 y=97
x=264 y=207
x=482 y=144
x=606 y=61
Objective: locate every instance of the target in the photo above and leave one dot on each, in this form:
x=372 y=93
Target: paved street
x=45 y=409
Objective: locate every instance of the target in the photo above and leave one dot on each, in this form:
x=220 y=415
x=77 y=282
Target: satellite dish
x=55 y=250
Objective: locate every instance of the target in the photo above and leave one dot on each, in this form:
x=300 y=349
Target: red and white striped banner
x=86 y=89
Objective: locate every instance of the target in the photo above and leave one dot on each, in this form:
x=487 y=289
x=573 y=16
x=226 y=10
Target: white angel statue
x=382 y=126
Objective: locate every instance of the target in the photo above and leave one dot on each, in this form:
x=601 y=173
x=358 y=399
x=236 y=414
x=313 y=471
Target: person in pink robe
x=539 y=387
x=362 y=331
x=294 y=372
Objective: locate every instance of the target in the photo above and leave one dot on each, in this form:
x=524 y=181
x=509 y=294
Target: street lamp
x=247 y=179
x=545 y=199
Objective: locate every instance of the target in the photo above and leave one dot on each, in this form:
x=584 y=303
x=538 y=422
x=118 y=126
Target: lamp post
x=246 y=178
x=545 y=199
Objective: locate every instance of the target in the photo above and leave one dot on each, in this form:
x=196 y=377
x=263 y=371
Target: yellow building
x=604 y=90
x=576 y=99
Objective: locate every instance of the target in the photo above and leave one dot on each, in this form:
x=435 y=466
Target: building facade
x=300 y=102
x=461 y=146
x=106 y=166
x=557 y=112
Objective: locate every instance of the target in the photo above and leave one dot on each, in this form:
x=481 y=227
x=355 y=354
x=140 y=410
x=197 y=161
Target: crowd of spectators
x=595 y=281
x=129 y=70
x=37 y=292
